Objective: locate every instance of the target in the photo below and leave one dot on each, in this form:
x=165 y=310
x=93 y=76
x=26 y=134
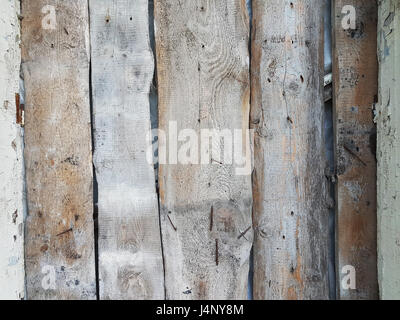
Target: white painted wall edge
x=11 y=159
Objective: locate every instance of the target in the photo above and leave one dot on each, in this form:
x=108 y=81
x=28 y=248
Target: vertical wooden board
x=130 y=256
x=11 y=170
x=355 y=81
x=203 y=78
x=59 y=247
x=289 y=185
x=388 y=149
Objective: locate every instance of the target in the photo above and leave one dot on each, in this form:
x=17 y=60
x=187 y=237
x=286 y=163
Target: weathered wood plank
x=355 y=74
x=11 y=169
x=59 y=227
x=388 y=149
x=203 y=78
x=130 y=257
x=289 y=185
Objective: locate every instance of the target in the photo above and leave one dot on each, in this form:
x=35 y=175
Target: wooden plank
x=289 y=185
x=59 y=225
x=355 y=80
x=11 y=170
x=388 y=149
x=130 y=257
x=203 y=78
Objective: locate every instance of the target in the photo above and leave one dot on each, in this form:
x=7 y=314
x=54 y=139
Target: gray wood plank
x=203 y=79
x=289 y=184
x=130 y=257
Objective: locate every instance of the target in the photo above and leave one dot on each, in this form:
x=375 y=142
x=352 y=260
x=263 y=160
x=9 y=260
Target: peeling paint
x=11 y=147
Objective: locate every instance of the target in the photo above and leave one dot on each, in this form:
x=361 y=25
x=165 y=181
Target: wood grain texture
x=388 y=149
x=355 y=74
x=130 y=255
x=289 y=185
x=59 y=225
x=11 y=160
x=203 y=78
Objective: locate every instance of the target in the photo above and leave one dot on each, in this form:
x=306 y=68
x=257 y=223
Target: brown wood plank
x=289 y=185
x=355 y=81
x=59 y=227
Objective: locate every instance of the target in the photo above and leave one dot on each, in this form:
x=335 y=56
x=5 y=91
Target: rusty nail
x=211 y=218
x=216 y=252
x=244 y=232
x=216 y=161
x=171 y=223
x=64 y=232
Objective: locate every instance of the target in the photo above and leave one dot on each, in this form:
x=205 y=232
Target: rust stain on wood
x=19 y=110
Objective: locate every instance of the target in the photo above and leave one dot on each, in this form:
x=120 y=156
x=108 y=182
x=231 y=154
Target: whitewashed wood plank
x=59 y=247
x=388 y=149
x=11 y=169
x=289 y=184
x=130 y=255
